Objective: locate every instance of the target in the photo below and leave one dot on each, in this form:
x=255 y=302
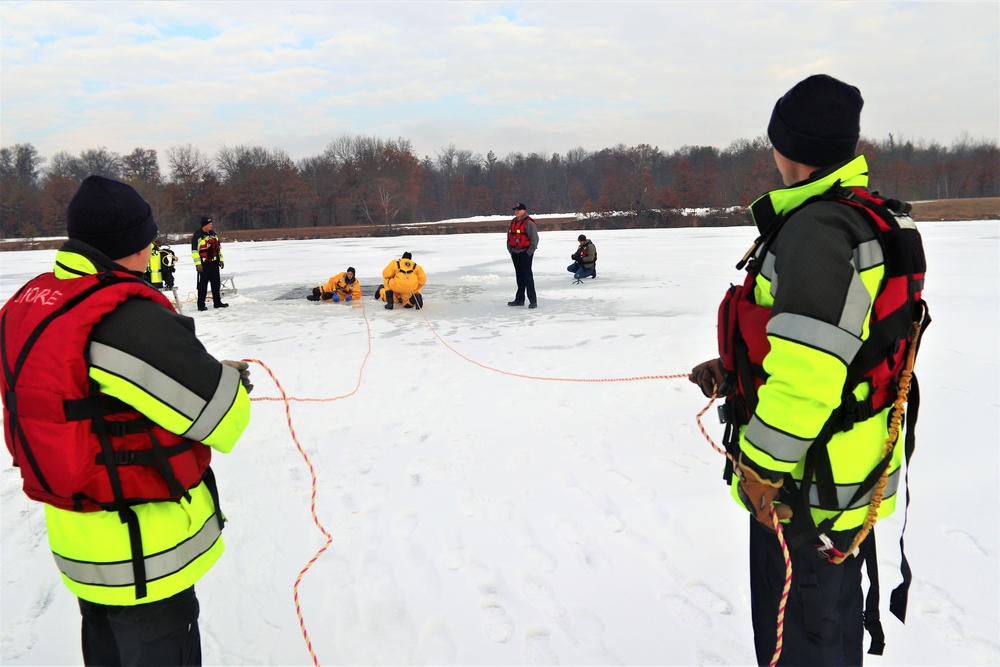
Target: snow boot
x=378 y=293
x=389 y=299
x=418 y=300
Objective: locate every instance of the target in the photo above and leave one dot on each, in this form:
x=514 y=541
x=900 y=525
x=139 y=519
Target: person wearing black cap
x=808 y=415
x=584 y=260
x=342 y=287
x=402 y=283
x=206 y=251
x=522 y=239
x=112 y=407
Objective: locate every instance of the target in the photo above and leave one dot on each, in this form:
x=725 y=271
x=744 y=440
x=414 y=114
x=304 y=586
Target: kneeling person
x=402 y=282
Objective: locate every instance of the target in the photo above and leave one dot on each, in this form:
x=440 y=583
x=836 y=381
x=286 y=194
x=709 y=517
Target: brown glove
x=199 y=267
x=759 y=492
x=244 y=370
x=709 y=377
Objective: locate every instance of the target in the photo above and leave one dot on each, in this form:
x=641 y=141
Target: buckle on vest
x=117 y=429
x=124 y=457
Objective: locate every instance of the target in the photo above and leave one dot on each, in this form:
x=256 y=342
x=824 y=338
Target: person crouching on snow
x=342 y=287
x=402 y=281
x=584 y=259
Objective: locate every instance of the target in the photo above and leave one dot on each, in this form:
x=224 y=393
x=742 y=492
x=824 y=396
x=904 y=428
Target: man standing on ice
x=812 y=348
x=522 y=239
x=112 y=407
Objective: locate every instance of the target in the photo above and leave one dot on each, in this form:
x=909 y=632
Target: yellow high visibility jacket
x=169 y=377
x=819 y=277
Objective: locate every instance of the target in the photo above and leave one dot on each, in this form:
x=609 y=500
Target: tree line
x=360 y=180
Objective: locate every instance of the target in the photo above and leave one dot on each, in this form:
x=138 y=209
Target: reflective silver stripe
x=147 y=378
x=846 y=492
x=767 y=267
x=868 y=255
x=856 y=306
x=779 y=445
x=814 y=333
x=217 y=407
x=161 y=565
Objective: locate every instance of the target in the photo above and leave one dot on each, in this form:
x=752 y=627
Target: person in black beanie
x=206 y=251
x=807 y=412
x=131 y=505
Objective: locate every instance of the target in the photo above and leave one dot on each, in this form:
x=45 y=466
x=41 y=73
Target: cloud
x=522 y=77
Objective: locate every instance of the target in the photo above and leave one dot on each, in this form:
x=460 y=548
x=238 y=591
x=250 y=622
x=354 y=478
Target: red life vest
x=78 y=449
x=742 y=323
x=517 y=238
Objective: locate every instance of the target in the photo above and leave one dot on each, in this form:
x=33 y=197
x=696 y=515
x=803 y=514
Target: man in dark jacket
x=206 y=251
x=584 y=260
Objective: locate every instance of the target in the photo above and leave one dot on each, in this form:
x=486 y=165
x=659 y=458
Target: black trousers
x=158 y=633
x=824 y=615
x=525 y=279
x=209 y=274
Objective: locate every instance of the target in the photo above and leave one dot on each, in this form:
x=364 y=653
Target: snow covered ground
x=493 y=499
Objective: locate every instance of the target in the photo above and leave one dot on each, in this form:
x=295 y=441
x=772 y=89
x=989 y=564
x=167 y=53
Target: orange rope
x=779 y=531
x=312 y=475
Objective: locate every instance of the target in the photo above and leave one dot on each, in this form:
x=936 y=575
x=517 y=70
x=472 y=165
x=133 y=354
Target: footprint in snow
x=497 y=625
x=966 y=541
x=537 y=650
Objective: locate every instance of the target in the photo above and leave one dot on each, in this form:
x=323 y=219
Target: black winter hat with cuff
x=110 y=216
x=817 y=122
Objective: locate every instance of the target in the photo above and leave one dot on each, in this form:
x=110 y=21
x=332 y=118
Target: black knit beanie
x=817 y=122
x=407 y=255
x=111 y=217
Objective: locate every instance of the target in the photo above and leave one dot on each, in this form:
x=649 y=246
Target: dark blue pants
x=525 y=279
x=824 y=597
x=159 y=633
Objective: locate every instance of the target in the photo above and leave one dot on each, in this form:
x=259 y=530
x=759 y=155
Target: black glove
x=313 y=297
x=326 y=296
x=575 y=256
x=316 y=291
x=244 y=370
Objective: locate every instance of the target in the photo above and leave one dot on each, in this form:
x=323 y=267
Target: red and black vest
x=78 y=449
x=517 y=237
x=743 y=343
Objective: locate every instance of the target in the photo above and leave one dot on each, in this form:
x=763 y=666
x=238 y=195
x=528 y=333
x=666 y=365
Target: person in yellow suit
x=342 y=287
x=402 y=281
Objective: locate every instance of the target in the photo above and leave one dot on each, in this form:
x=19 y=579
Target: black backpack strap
x=900 y=595
x=872 y=617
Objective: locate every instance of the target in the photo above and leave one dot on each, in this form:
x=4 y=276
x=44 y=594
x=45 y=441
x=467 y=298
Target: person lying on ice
x=342 y=287
x=402 y=281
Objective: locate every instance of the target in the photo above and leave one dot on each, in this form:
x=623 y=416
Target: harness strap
x=900 y=595
x=872 y=617
x=125 y=513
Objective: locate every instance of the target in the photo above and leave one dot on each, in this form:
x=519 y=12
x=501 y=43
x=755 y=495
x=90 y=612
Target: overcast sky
x=501 y=76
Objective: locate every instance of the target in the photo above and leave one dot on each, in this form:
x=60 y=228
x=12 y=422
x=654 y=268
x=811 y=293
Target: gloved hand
x=313 y=297
x=348 y=297
x=244 y=370
x=759 y=490
x=575 y=256
x=335 y=297
x=222 y=265
x=710 y=377
x=199 y=267
x=326 y=296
